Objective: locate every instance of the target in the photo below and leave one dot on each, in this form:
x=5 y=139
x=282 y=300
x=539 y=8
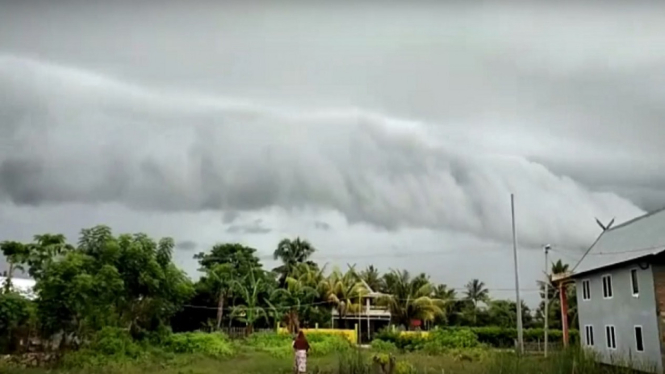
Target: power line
x=326 y=302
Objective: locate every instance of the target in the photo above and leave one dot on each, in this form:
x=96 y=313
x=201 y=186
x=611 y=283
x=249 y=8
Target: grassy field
x=347 y=363
x=113 y=351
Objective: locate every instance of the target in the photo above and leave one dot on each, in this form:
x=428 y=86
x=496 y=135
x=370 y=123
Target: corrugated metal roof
x=639 y=237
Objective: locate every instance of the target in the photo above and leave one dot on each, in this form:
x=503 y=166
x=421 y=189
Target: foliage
x=466 y=337
x=292 y=253
x=383 y=346
x=116 y=298
x=279 y=345
x=215 y=344
x=16 y=320
x=411 y=298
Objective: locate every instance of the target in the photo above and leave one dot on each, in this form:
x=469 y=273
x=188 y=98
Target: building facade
x=620 y=284
x=617 y=316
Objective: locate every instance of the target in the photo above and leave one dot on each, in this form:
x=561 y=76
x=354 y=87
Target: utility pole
x=520 y=337
x=546 y=309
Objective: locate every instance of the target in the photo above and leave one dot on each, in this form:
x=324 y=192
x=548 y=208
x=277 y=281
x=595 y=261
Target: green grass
x=255 y=362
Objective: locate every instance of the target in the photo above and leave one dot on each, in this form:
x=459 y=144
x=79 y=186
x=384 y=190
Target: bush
x=110 y=346
x=279 y=345
x=209 y=344
x=111 y=341
x=383 y=346
x=467 y=337
x=455 y=338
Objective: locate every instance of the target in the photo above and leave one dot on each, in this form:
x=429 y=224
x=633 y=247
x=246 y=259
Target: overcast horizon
x=384 y=134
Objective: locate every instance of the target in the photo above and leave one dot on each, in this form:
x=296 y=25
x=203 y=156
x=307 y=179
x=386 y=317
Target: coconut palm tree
x=294 y=300
x=411 y=298
x=372 y=278
x=476 y=292
x=292 y=253
x=343 y=291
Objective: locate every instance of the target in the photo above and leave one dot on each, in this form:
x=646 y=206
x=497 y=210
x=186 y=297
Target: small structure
x=620 y=285
x=370 y=318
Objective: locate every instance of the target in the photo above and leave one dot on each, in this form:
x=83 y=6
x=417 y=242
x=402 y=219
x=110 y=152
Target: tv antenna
x=604 y=227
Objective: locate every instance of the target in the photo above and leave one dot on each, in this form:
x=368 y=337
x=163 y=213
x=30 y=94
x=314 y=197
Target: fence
x=350 y=335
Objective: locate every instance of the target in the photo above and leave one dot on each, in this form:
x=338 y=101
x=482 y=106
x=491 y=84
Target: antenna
x=605 y=227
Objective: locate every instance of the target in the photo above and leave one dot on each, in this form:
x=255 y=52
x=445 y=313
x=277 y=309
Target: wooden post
x=564 y=313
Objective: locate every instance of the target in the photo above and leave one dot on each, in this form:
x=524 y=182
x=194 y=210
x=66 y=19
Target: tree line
x=129 y=281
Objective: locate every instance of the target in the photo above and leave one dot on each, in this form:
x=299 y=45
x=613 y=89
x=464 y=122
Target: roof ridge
x=633 y=220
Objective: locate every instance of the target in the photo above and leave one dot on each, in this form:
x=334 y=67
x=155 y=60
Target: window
x=634 y=283
x=607 y=286
x=610 y=337
x=588 y=335
x=639 y=342
x=586 y=290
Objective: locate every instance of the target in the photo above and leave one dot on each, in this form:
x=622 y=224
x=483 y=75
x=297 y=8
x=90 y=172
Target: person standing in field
x=300 y=348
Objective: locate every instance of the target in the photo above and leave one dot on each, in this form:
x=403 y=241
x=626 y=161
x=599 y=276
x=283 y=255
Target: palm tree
x=554 y=317
x=343 y=291
x=372 y=278
x=295 y=300
x=292 y=253
x=448 y=296
x=475 y=293
x=411 y=298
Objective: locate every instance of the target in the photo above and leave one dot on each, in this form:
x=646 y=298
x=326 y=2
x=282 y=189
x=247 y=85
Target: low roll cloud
x=73 y=136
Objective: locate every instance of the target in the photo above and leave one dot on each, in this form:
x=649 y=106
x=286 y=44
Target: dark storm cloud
x=322 y=225
x=255 y=227
x=111 y=142
x=229 y=216
x=186 y=245
x=543 y=101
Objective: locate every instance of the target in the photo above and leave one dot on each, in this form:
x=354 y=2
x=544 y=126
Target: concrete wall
x=624 y=311
x=659 y=285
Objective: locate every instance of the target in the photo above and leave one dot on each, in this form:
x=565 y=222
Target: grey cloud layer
x=73 y=136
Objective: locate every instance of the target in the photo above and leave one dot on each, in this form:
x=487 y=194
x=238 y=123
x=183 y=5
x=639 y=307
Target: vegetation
x=120 y=300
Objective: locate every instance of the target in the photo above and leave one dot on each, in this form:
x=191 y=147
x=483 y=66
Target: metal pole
x=520 y=337
x=546 y=310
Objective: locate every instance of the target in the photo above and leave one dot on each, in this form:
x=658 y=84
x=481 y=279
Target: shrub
x=210 y=344
x=279 y=345
x=383 y=346
x=463 y=338
x=111 y=341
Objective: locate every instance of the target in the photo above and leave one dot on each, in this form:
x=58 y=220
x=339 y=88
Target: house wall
x=624 y=311
x=659 y=286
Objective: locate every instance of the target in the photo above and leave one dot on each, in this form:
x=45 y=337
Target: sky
x=383 y=133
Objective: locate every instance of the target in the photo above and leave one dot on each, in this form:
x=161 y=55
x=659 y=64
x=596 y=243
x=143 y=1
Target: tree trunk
x=220 y=311
x=10 y=273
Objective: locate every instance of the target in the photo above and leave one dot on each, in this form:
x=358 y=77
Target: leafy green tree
x=411 y=298
x=241 y=258
x=504 y=313
x=128 y=282
x=292 y=253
